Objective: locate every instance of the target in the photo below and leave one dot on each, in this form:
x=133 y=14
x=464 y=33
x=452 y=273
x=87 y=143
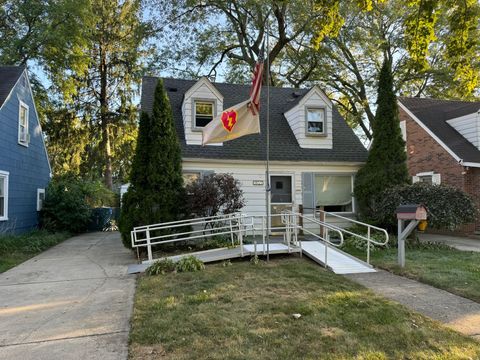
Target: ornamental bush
x=69 y=201
x=447 y=207
x=213 y=195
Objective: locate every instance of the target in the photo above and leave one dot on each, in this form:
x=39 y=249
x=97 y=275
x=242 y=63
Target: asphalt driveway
x=73 y=301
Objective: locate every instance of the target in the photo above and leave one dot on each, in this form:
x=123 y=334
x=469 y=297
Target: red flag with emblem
x=238 y=120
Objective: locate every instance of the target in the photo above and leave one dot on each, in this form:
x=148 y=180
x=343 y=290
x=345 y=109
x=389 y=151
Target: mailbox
x=411 y=212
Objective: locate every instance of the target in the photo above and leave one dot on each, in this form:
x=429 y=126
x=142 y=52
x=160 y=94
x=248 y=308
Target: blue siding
x=28 y=166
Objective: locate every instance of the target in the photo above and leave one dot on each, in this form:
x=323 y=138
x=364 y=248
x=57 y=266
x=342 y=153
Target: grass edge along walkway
x=15 y=249
x=243 y=311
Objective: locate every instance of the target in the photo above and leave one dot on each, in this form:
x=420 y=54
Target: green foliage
x=189 y=264
x=386 y=164
x=161 y=267
x=156 y=191
x=447 y=207
x=69 y=201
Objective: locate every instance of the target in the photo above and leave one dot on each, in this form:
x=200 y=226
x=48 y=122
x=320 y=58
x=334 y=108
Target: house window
x=427 y=177
x=315 y=121
x=203 y=113
x=40 y=198
x=333 y=193
x=3 y=195
x=23 y=136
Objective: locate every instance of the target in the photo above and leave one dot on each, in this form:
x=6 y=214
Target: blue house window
x=3 y=195
x=23 y=136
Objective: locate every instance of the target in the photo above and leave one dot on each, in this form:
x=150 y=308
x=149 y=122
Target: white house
x=314 y=155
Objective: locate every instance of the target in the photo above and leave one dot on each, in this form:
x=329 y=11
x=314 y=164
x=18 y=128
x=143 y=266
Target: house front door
x=281 y=199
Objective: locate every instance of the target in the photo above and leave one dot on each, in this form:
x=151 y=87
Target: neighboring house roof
x=434 y=113
x=283 y=144
x=9 y=76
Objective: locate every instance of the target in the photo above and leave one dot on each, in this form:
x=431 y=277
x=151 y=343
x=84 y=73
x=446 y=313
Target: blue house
x=24 y=166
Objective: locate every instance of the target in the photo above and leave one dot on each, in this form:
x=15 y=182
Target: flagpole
x=267 y=172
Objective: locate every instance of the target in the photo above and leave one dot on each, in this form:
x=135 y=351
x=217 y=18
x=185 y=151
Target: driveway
x=73 y=301
x=461 y=243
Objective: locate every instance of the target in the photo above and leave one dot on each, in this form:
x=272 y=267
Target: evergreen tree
x=387 y=160
x=156 y=191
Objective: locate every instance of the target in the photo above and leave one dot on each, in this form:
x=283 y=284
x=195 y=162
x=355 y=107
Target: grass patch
x=446 y=268
x=244 y=311
x=15 y=249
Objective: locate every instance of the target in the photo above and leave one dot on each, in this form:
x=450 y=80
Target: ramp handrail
x=322 y=225
x=369 y=230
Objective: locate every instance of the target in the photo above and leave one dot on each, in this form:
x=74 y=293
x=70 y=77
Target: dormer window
x=204 y=112
x=315 y=118
x=23 y=137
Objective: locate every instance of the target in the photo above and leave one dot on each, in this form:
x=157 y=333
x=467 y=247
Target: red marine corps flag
x=238 y=120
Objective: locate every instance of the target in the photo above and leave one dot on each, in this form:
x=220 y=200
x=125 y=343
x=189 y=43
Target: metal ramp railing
x=239 y=227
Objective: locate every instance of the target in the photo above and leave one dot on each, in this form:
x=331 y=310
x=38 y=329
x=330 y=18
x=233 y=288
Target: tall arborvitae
x=156 y=191
x=387 y=160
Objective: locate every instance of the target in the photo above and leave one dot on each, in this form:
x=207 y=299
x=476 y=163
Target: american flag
x=257 y=84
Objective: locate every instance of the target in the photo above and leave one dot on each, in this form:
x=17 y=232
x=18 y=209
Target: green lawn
x=244 y=311
x=453 y=270
x=15 y=249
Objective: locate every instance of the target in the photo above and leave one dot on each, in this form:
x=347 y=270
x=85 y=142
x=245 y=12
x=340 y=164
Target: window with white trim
x=427 y=177
x=40 y=198
x=204 y=111
x=315 y=118
x=3 y=195
x=334 y=193
x=23 y=136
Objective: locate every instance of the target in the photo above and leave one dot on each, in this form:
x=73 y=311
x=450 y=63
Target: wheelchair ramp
x=337 y=261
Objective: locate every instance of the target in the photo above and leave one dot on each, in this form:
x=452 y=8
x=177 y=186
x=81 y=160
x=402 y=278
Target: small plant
x=226 y=263
x=255 y=260
x=189 y=264
x=161 y=267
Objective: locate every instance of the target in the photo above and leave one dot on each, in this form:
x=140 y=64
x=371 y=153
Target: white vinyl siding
x=297 y=116
x=23 y=135
x=3 y=195
x=469 y=127
x=202 y=91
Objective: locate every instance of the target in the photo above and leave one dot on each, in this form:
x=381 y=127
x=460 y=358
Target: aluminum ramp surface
x=337 y=261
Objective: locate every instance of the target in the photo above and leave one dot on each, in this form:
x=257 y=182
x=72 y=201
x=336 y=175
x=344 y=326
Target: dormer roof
x=283 y=144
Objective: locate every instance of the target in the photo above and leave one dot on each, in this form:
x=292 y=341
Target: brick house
x=443 y=145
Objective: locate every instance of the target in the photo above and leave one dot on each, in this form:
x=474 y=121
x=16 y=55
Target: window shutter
x=436 y=179
x=308 y=193
x=415 y=179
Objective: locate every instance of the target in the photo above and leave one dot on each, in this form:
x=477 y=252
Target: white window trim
x=40 y=191
x=5 y=175
x=194 y=111
x=324 y=132
x=436 y=178
x=20 y=106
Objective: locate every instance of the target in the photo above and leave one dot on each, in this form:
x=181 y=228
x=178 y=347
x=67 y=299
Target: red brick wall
x=425 y=154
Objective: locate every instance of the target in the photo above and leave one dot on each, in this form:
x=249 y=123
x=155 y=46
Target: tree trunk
x=104 y=120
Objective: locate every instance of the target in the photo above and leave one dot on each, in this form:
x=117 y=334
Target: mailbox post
x=414 y=214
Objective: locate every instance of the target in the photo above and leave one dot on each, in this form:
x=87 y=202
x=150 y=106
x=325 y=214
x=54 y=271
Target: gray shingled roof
x=283 y=144
x=434 y=114
x=8 y=78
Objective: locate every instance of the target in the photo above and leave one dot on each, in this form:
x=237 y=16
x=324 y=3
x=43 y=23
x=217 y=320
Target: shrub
x=68 y=201
x=156 y=192
x=447 y=207
x=189 y=264
x=213 y=195
x=161 y=267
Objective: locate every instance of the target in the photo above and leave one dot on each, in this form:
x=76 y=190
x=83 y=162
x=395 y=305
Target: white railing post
x=231 y=231
x=327 y=240
x=149 y=246
x=368 y=246
x=240 y=235
x=264 y=232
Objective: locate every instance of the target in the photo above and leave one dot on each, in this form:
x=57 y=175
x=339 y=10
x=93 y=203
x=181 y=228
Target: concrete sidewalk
x=73 y=301
x=454 y=311
x=460 y=243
